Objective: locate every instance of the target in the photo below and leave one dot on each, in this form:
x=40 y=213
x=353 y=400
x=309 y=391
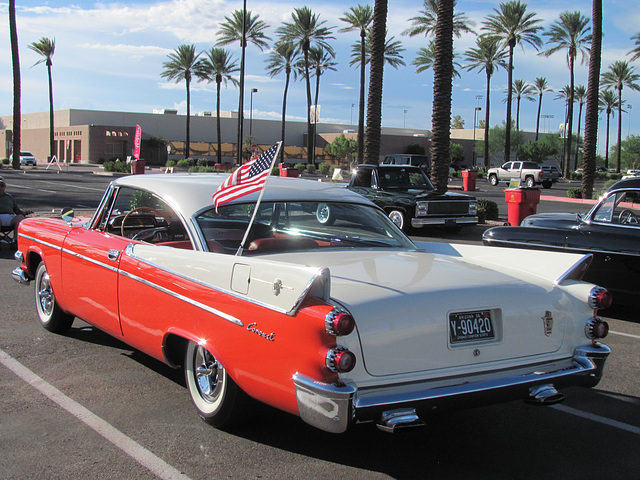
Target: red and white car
x=329 y=311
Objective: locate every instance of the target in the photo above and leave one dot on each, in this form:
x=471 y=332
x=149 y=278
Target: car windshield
x=404 y=178
x=287 y=226
x=26 y=154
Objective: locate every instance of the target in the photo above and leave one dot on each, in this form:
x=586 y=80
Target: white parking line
x=76 y=186
x=624 y=334
x=140 y=454
x=31 y=188
x=597 y=418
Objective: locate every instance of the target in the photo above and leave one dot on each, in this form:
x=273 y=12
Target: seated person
x=10 y=213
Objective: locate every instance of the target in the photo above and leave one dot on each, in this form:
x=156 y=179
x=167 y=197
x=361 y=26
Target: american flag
x=249 y=178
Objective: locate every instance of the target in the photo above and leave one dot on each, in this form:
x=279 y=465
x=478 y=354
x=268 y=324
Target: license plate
x=470 y=327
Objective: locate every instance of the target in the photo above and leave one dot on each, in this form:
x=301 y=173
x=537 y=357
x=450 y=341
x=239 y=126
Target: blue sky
x=109 y=56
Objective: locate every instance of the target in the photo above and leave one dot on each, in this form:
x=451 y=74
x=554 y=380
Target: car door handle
x=113 y=254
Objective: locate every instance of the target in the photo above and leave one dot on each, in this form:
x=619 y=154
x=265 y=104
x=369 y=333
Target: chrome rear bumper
x=333 y=407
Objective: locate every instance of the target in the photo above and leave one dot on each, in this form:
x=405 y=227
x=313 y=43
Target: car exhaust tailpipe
x=394 y=421
x=544 y=395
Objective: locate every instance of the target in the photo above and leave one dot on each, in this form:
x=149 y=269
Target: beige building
x=90 y=136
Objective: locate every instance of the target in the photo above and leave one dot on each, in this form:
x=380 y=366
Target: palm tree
x=580 y=95
x=442 y=87
x=425 y=56
x=572 y=33
x=620 y=75
x=307 y=29
x=283 y=59
x=540 y=86
x=488 y=55
x=15 y=60
x=520 y=90
x=320 y=61
x=564 y=94
x=218 y=66
x=392 y=53
x=182 y=65
x=242 y=27
x=426 y=23
x=374 y=101
x=360 y=18
x=608 y=101
x=46 y=48
x=513 y=25
x=591 y=115
x=635 y=52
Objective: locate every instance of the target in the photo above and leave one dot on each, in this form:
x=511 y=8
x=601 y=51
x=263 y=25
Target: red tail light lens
x=600 y=298
x=340 y=360
x=596 y=328
x=339 y=322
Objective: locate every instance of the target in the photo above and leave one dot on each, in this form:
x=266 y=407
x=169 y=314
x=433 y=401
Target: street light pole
x=475 y=114
x=253 y=90
x=404 y=122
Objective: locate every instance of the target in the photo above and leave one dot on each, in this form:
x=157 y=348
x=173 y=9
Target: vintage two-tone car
x=327 y=311
x=610 y=232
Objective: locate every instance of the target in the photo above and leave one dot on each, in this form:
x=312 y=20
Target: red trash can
x=138 y=166
x=522 y=202
x=469 y=180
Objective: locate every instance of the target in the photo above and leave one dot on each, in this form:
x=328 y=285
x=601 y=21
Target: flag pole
x=255 y=210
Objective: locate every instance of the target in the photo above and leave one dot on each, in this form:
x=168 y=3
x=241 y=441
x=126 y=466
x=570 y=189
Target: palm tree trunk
x=51 y=141
x=606 y=153
x=575 y=161
x=308 y=85
x=315 y=124
x=15 y=58
x=374 y=104
x=591 y=115
x=218 y=82
x=442 y=87
x=361 y=104
x=618 y=154
x=538 y=115
x=569 y=130
x=486 y=121
x=243 y=48
x=507 y=135
x=284 y=115
x=186 y=145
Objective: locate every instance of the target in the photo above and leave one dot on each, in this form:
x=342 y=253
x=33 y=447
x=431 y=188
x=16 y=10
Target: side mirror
x=67 y=214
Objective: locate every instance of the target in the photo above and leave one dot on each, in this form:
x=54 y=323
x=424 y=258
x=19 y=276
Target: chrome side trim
x=188 y=300
x=578 y=269
x=557 y=248
x=41 y=242
x=90 y=260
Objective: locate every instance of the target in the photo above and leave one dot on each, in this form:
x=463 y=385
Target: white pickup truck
x=529 y=173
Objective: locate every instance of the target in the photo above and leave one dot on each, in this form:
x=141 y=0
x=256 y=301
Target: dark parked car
x=610 y=231
x=408 y=197
x=416 y=160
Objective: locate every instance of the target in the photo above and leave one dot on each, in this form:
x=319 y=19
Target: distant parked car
x=610 y=232
x=26 y=158
x=551 y=172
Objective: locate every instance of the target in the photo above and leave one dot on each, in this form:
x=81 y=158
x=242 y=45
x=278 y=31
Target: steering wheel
x=627 y=217
x=155 y=212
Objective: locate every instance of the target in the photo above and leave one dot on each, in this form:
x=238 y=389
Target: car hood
x=402 y=302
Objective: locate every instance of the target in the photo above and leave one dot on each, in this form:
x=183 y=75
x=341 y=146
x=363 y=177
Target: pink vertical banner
x=136 y=143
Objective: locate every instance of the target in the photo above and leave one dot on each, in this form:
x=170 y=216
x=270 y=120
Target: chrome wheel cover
x=46 y=300
x=208 y=375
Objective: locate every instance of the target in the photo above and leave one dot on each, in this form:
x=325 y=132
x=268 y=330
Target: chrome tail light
x=339 y=322
x=340 y=360
x=596 y=328
x=600 y=298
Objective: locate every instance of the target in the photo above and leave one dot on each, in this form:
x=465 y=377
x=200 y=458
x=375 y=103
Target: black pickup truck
x=407 y=195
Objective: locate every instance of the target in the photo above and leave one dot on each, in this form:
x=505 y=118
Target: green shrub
x=311 y=169
x=116 y=166
x=184 y=163
x=608 y=183
x=275 y=171
x=301 y=167
x=170 y=163
x=5 y=161
x=325 y=168
x=575 y=192
x=487 y=210
x=202 y=162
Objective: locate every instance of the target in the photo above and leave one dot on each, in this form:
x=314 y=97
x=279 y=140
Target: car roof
x=629 y=183
x=388 y=166
x=191 y=193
